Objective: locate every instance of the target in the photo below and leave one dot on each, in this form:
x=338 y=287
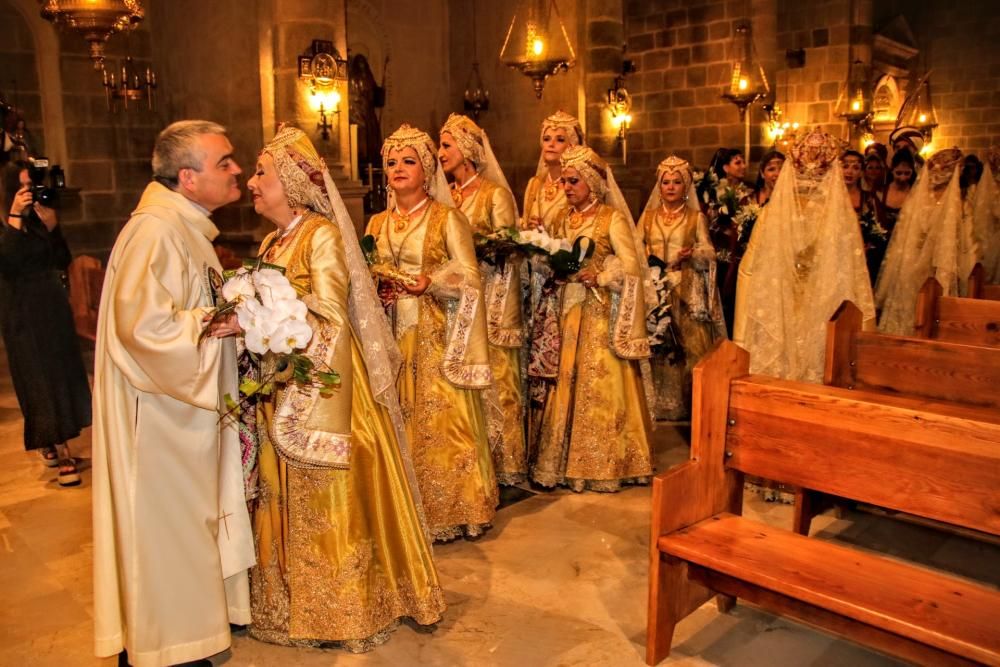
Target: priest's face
x=555 y=141
x=216 y=182
x=406 y=174
x=448 y=154
x=266 y=190
x=672 y=189
x=576 y=188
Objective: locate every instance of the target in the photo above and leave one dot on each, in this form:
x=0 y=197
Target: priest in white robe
x=172 y=539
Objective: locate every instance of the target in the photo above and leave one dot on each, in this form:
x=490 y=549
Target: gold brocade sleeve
x=155 y=323
x=504 y=216
x=703 y=252
x=466 y=359
x=527 y=209
x=310 y=429
x=628 y=335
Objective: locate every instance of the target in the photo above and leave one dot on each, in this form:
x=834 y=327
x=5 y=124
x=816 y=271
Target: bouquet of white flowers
x=564 y=258
x=273 y=319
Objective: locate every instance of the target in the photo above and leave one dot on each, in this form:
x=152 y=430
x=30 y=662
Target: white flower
x=289 y=309
x=259 y=335
x=238 y=287
x=289 y=335
x=272 y=286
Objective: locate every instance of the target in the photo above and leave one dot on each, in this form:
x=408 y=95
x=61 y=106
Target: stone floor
x=559 y=580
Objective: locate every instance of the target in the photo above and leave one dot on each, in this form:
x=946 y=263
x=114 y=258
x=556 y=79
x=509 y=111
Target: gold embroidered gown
x=442 y=336
x=342 y=555
x=692 y=297
x=490 y=209
x=595 y=426
x=544 y=202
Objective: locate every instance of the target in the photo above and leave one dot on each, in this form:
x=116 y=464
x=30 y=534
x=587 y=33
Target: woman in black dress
x=37 y=327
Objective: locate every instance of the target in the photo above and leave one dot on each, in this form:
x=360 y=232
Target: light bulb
x=537 y=46
x=923 y=118
x=856 y=105
x=744 y=84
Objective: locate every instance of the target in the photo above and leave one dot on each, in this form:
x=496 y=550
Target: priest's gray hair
x=176 y=149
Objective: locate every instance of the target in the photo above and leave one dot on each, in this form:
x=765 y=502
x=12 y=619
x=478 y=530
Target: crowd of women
x=468 y=368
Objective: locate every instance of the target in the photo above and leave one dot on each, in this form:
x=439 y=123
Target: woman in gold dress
x=481 y=192
x=439 y=323
x=544 y=201
x=342 y=550
x=595 y=428
x=676 y=234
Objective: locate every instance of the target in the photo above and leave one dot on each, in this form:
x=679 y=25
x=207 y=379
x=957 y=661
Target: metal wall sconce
x=323 y=69
x=620 y=106
x=855 y=102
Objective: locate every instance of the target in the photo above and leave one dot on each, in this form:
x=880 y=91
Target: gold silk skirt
x=672 y=382
x=341 y=555
x=510 y=454
x=448 y=438
x=595 y=427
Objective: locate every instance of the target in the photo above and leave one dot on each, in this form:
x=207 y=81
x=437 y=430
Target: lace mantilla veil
x=987 y=216
x=926 y=242
x=808 y=258
x=383 y=359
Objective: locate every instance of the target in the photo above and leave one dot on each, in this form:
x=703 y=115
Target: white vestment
x=172 y=538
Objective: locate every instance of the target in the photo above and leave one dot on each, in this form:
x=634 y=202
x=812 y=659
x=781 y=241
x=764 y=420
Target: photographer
x=36 y=321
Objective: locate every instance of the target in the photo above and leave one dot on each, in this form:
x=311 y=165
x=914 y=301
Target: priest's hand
x=225 y=326
x=586 y=276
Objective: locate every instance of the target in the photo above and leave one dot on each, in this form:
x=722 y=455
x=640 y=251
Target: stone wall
x=960 y=43
x=19 y=80
x=514 y=119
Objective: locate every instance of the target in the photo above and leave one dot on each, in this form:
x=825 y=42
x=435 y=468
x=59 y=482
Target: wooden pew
x=928 y=458
x=902 y=366
x=86 y=280
x=979 y=288
x=956 y=319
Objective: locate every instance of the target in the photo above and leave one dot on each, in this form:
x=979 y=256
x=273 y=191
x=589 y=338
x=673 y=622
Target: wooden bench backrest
x=979 y=288
x=935 y=460
x=956 y=319
x=86 y=279
x=857 y=359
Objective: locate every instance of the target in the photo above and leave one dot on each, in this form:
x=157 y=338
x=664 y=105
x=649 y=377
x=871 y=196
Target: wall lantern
x=620 y=106
x=323 y=69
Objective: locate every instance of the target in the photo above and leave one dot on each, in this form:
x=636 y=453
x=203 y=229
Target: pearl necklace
x=576 y=217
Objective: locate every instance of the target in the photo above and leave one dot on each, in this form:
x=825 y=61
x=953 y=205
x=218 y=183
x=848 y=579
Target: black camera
x=38 y=172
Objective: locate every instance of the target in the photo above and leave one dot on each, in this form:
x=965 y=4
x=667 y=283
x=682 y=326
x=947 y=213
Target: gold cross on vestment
x=225 y=523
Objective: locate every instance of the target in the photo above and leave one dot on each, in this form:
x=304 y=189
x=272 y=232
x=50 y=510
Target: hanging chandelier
x=747 y=80
x=537 y=44
x=476 y=99
x=96 y=20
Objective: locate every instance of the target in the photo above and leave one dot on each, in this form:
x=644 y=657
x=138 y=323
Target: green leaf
x=249 y=387
x=331 y=379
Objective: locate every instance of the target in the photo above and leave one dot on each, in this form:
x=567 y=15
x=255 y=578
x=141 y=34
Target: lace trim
x=471 y=376
x=622 y=343
x=292 y=438
x=498 y=293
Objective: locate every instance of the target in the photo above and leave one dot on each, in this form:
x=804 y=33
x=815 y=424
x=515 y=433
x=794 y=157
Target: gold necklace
x=576 y=218
x=458 y=191
x=551 y=188
x=402 y=220
x=672 y=215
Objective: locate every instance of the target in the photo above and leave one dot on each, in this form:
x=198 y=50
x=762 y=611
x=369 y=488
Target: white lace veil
x=925 y=243
x=574 y=133
x=383 y=359
x=474 y=144
x=808 y=258
x=653 y=202
x=987 y=221
x=435 y=182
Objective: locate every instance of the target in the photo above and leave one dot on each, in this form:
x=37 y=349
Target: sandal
x=68 y=474
x=49 y=457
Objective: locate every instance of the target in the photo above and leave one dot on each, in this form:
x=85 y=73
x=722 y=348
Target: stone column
x=289 y=33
